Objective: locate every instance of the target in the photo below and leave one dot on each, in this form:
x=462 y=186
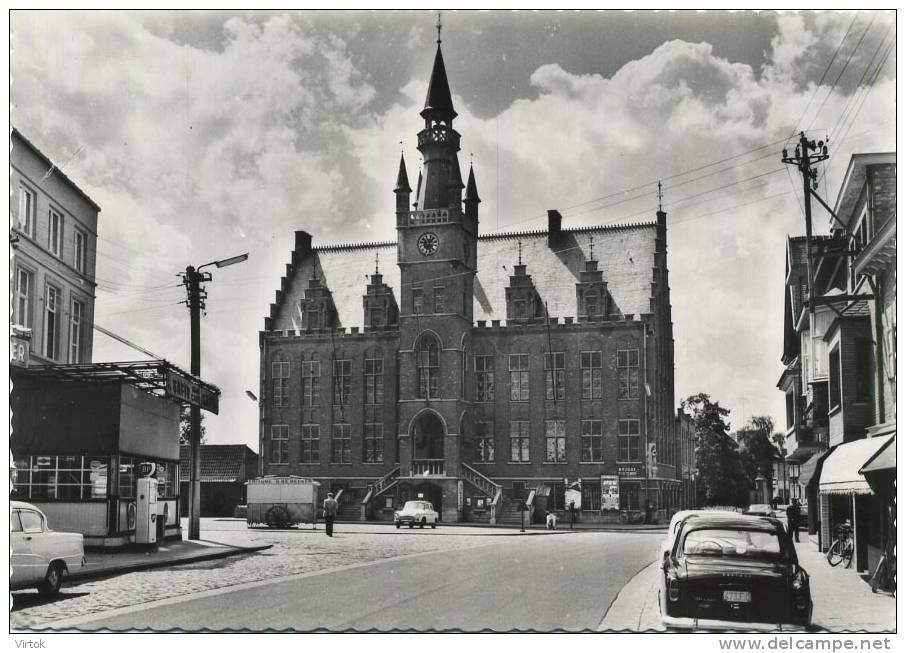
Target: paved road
x=560 y=581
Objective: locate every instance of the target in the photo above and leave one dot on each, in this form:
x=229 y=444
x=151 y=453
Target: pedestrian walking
x=793 y=515
x=330 y=513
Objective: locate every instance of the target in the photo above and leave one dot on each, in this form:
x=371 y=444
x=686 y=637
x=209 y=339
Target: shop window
x=591 y=496
x=629 y=497
x=60 y=477
x=165 y=473
x=126 y=484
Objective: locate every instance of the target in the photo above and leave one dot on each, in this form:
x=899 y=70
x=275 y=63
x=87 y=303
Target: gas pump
x=146 y=507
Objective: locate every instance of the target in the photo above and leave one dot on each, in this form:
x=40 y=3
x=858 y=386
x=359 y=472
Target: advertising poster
x=610 y=492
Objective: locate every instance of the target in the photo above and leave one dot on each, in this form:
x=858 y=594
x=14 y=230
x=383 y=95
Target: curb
x=631 y=605
x=74 y=579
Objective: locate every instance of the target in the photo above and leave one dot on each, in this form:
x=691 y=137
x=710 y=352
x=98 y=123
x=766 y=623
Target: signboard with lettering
x=610 y=492
x=628 y=471
x=192 y=392
x=18 y=351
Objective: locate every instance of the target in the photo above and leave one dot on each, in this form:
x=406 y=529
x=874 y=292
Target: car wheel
x=411 y=524
x=53 y=580
x=397 y=524
x=277 y=517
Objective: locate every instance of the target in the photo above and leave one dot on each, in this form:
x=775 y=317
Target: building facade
x=685 y=442
x=840 y=375
x=53 y=237
x=224 y=470
x=483 y=370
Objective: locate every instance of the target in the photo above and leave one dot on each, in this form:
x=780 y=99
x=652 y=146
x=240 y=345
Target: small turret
x=402 y=192
x=471 y=199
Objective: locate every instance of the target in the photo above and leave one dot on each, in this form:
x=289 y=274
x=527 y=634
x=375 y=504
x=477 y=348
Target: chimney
x=554 y=221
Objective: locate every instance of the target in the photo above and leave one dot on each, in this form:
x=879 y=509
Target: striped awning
x=840 y=472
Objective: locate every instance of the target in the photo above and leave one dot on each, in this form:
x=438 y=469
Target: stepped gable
x=625 y=255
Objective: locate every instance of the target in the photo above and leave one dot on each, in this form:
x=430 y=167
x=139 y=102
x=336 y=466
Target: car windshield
x=412 y=505
x=731 y=542
x=759 y=507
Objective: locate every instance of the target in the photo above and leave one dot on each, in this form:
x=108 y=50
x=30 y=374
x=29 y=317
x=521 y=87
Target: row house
x=840 y=361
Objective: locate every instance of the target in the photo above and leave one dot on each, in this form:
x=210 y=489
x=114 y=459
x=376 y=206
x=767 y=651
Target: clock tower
x=436 y=251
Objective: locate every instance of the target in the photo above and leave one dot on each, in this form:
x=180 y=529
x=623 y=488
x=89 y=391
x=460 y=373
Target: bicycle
x=842 y=548
x=884 y=578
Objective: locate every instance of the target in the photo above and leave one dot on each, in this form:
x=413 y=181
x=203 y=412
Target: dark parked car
x=734 y=574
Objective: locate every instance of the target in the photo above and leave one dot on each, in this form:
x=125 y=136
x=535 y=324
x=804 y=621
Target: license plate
x=737 y=597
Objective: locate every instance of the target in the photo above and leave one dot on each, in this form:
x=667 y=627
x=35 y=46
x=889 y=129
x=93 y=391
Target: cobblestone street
x=293 y=551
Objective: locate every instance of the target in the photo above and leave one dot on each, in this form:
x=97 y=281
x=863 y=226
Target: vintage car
x=733 y=573
x=761 y=509
x=416 y=512
x=39 y=556
x=677 y=520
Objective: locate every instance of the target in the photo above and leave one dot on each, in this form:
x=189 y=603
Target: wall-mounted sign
x=18 y=351
x=610 y=492
x=631 y=471
x=192 y=392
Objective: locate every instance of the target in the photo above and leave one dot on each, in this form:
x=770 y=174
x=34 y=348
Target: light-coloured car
x=759 y=510
x=416 y=512
x=40 y=557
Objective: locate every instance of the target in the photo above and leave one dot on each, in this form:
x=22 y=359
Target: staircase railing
x=383 y=484
x=480 y=481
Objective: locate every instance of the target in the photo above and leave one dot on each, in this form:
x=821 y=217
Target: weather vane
x=591 y=246
x=519 y=244
x=377 y=256
x=438 y=26
x=660 y=196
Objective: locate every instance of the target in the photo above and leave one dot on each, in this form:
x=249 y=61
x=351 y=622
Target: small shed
x=224 y=470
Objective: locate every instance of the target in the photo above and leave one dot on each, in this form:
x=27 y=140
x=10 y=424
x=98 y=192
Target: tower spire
x=402 y=178
x=438 y=102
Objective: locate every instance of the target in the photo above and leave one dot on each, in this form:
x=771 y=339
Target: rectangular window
x=519 y=442
x=311 y=383
x=484 y=378
x=280 y=375
x=342 y=382
x=628 y=441
x=24 y=284
x=27 y=211
x=592 y=384
x=834 y=378
x=340 y=446
x=81 y=251
x=310 y=444
x=484 y=442
x=279 y=443
x=790 y=409
x=519 y=377
x=592 y=441
x=374 y=381
x=60 y=477
x=554 y=376
x=51 y=323
x=628 y=373
x=439 y=305
x=418 y=301
x=374 y=443
x=555 y=440
x=629 y=497
x=126 y=485
x=55 y=233
x=75 y=331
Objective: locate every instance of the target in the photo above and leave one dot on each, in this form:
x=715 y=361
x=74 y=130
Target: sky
x=207 y=134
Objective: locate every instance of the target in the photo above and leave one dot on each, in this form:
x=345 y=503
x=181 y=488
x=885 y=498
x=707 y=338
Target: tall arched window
x=428 y=366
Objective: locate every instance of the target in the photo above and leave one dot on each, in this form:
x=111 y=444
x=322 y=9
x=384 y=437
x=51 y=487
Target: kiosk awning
x=840 y=473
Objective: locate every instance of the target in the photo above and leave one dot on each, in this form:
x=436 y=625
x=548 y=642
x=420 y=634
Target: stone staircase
x=487 y=486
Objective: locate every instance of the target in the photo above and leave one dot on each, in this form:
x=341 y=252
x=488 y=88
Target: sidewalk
x=169 y=553
x=561 y=526
x=843 y=602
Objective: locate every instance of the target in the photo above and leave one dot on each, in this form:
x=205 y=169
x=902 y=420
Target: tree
x=185 y=425
x=720 y=477
x=756 y=452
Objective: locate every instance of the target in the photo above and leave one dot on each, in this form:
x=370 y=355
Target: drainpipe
x=645 y=408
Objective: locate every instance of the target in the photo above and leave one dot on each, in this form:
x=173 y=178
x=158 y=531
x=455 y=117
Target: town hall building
x=481 y=372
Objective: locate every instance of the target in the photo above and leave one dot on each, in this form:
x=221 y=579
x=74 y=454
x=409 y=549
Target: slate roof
x=221 y=463
x=625 y=254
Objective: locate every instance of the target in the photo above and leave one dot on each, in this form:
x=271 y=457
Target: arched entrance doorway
x=432 y=493
x=428 y=444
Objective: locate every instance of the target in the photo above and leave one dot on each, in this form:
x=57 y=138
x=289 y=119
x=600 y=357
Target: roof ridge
x=607 y=227
x=339 y=246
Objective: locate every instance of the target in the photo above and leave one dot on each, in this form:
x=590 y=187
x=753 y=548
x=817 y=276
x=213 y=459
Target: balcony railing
x=427 y=467
x=432 y=216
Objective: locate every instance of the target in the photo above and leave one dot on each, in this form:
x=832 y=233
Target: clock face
x=428 y=244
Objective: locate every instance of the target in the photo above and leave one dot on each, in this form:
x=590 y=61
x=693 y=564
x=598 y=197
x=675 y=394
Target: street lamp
x=192 y=280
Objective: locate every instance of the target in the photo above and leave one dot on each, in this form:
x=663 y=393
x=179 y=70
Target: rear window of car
x=727 y=542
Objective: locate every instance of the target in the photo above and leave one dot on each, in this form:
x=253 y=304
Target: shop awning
x=807 y=469
x=884 y=460
x=840 y=473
